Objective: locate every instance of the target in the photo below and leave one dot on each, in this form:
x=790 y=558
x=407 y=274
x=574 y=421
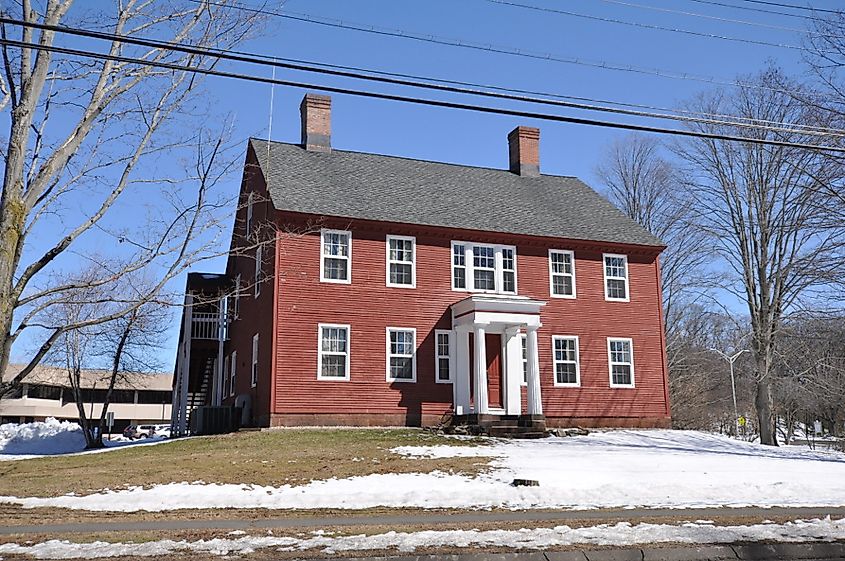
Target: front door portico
x=505 y=318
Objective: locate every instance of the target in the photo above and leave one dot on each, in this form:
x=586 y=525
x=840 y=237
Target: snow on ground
x=612 y=469
x=52 y=438
x=621 y=534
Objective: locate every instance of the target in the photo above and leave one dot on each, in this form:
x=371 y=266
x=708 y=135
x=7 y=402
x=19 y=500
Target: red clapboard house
x=380 y=290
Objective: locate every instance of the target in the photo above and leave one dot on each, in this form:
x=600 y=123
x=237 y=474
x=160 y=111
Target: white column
x=513 y=371
x=480 y=370
x=535 y=403
x=460 y=377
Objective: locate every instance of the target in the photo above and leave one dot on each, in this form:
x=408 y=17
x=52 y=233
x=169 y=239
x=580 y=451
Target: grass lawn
x=278 y=457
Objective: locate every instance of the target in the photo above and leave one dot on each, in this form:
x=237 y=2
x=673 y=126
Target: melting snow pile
x=621 y=534
x=41 y=438
x=612 y=469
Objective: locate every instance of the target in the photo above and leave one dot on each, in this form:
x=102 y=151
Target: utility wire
x=422 y=101
x=793 y=6
x=499 y=49
x=719 y=18
x=757 y=10
x=652 y=27
x=263 y=60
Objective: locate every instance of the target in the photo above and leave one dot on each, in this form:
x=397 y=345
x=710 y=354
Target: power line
x=421 y=101
x=757 y=10
x=716 y=18
x=499 y=49
x=650 y=26
x=793 y=6
x=264 y=60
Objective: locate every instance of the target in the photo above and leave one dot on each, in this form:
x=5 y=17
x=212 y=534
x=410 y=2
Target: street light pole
x=731 y=359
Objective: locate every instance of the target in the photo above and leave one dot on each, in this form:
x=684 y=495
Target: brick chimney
x=316 y=113
x=524 y=151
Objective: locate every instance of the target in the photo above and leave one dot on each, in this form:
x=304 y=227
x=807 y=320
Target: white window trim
x=498 y=267
x=577 y=383
x=413 y=355
x=233 y=372
x=323 y=278
x=437 y=356
x=249 y=202
x=387 y=261
x=320 y=327
x=610 y=362
x=254 y=370
x=259 y=262
x=627 y=277
x=552 y=275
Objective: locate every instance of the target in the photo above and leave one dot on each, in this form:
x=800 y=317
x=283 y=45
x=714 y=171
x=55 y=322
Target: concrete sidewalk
x=753 y=552
x=400 y=520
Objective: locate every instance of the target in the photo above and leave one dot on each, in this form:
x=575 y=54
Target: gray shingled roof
x=393 y=189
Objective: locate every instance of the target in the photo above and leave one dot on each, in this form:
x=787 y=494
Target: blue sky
x=480 y=139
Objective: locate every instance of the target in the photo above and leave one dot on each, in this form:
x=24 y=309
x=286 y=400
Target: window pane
x=483 y=256
x=401 y=250
x=614 y=266
x=443 y=344
x=335 y=269
x=507 y=260
x=621 y=374
x=335 y=244
x=460 y=278
x=615 y=288
x=401 y=367
x=401 y=342
x=484 y=279
x=508 y=282
x=334 y=366
x=458 y=256
x=524 y=359
x=565 y=373
x=562 y=285
x=443 y=365
x=401 y=273
x=334 y=339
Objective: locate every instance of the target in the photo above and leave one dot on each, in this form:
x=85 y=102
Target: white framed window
x=233 y=370
x=615 y=277
x=620 y=355
x=401 y=354
x=561 y=273
x=336 y=256
x=478 y=267
x=459 y=269
x=567 y=367
x=259 y=268
x=442 y=356
x=254 y=372
x=249 y=201
x=236 y=301
x=524 y=340
x=401 y=261
x=333 y=351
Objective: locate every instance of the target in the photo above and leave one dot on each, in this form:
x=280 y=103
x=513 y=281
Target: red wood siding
x=368 y=306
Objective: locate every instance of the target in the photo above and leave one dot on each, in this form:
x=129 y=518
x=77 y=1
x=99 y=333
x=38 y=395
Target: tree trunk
x=764 y=404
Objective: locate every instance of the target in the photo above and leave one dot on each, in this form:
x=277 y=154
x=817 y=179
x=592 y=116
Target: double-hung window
x=254 y=372
x=248 y=225
x=442 y=356
x=615 y=277
x=567 y=368
x=233 y=373
x=621 y=358
x=259 y=268
x=401 y=261
x=401 y=354
x=336 y=256
x=332 y=352
x=480 y=267
x=561 y=273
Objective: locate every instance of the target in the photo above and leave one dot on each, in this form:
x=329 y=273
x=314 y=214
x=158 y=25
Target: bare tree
x=106 y=137
x=646 y=187
x=769 y=213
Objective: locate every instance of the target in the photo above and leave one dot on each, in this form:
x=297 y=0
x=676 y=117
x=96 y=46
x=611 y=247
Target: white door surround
x=506 y=315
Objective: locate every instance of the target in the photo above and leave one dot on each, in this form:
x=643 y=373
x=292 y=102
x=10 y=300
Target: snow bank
x=49 y=437
x=622 y=534
x=613 y=469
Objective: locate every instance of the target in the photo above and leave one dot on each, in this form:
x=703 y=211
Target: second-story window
x=401 y=261
x=616 y=277
x=249 y=201
x=259 y=258
x=483 y=267
x=336 y=256
x=561 y=273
